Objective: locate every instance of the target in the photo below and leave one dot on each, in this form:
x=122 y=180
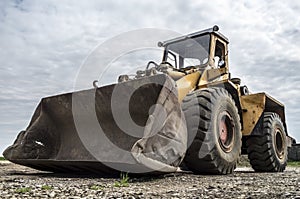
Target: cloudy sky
x=44 y=43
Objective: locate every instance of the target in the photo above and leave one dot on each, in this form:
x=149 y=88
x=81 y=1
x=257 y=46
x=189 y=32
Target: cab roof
x=213 y=30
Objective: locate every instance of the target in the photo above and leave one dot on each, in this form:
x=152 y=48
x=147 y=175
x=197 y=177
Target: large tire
x=214 y=131
x=268 y=152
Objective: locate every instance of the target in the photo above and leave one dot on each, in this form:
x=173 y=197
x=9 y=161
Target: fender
x=254 y=106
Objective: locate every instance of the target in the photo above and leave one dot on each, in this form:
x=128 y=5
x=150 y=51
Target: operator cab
x=206 y=49
x=188 y=52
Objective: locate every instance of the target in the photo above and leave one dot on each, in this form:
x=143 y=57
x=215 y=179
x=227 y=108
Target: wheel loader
x=186 y=111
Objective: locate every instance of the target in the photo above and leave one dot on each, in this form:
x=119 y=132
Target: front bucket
x=135 y=127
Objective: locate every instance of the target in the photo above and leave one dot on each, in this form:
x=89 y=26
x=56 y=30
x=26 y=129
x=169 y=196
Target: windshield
x=188 y=52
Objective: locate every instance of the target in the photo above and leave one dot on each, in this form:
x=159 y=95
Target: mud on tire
x=214 y=131
x=268 y=152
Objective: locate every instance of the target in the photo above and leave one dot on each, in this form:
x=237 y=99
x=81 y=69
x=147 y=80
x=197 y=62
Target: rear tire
x=268 y=152
x=214 y=131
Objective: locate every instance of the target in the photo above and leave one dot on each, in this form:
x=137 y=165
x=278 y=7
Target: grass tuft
x=2 y=158
x=23 y=190
x=46 y=187
x=124 y=180
x=96 y=187
x=293 y=163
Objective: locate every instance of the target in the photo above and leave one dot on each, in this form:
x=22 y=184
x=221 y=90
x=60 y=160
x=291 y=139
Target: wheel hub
x=226 y=131
x=279 y=143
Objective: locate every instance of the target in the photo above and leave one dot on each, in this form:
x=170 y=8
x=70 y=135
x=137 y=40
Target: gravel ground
x=22 y=182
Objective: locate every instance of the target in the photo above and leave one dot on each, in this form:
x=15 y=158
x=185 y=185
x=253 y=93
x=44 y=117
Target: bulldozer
x=186 y=111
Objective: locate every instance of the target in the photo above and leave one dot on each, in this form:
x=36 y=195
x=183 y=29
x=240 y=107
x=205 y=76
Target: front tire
x=268 y=152
x=214 y=130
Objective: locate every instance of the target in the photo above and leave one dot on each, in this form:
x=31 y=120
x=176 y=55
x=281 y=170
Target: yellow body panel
x=253 y=107
x=212 y=76
x=186 y=84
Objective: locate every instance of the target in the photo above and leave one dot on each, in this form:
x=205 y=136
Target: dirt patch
x=18 y=181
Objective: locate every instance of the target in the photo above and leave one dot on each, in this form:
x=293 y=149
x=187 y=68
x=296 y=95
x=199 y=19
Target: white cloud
x=43 y=44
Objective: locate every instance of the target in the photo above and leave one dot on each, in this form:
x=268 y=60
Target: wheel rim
x=279 y=143
x=226 y=131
